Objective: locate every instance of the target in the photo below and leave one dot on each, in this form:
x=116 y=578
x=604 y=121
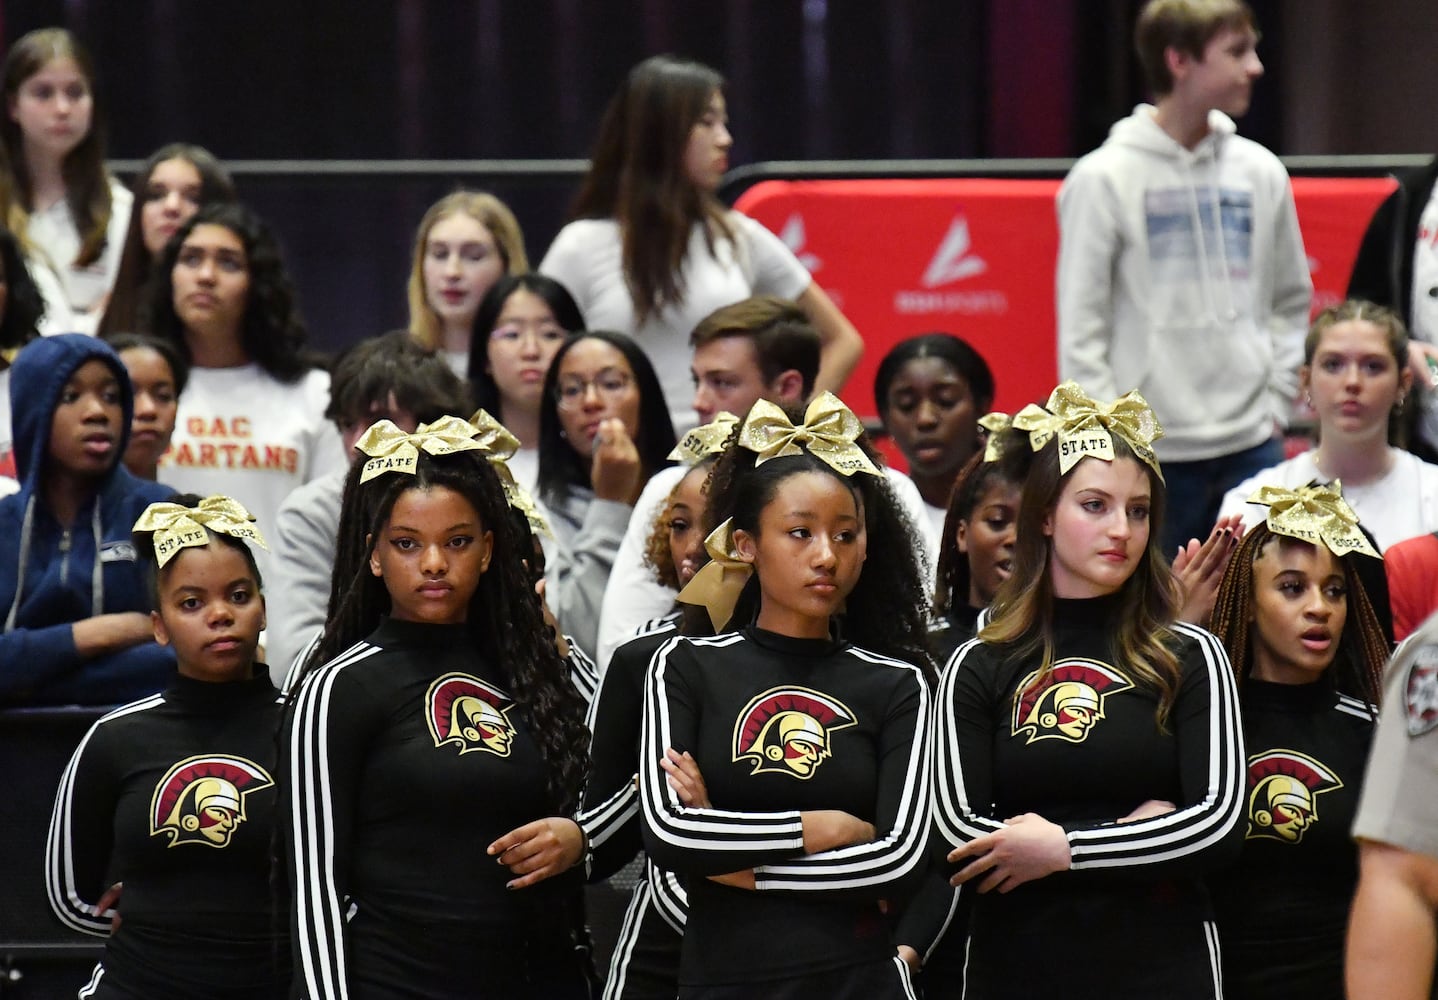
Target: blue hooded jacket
x=52 y=575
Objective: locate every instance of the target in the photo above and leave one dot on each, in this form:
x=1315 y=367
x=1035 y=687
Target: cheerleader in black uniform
x=167 y=808
x=1308 y=652
x=1089 y=758
x=431 y=755
x=645 y=963
x=783 y=765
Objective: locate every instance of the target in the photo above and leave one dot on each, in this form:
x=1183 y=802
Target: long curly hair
x=504 y=614
x=658 y=554
x=128 y=296
x=890 y=602
x=87 y=182
x=24 y=305
x=271 y=332
x=1022 y=615
x=1357 y=667
x=637 y=177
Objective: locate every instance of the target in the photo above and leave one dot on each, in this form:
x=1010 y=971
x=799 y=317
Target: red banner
x=975 y=257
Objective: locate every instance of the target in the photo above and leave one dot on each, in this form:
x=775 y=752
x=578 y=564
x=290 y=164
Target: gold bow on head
x=392 y=450
x=705 y=440
x=1085 y=427
x=176 y=527
x=499 y=445
x=718 y=584
x=994 y=425
x=828 y=433
x=1315 y=514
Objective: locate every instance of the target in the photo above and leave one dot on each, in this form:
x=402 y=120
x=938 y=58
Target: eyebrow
x=461 y=526
x=238 y=581
x=812 y=514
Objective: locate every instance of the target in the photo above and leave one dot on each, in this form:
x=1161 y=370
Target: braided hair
x=1357 y=667
x=504 y=616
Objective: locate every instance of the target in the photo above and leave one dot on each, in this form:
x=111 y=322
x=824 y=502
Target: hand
x=1199 y=568
x=1148 y=810
x=736 y=880
x=539 y=850
x=108 y=900
x=615 y=472
x=827 y=829
x=560 y=642
x=1418 y=355
x=685 y=779
x=910 y=957
x=1028 y=848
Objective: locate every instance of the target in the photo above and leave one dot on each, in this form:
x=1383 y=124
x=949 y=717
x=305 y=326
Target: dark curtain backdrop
x=479 y=79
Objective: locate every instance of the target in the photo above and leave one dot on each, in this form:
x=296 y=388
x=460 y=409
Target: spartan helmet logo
x=1285 y=787
x=1066 y=704
x=465 y=710
x=1420 y=691
x=201 y=800
x=789 y=731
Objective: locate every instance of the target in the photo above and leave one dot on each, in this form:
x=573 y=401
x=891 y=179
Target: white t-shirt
x=587 y=258
x=1401 y=505
x=1424 y=304
x=244 y=433
x=56 y=242
x=634 y=595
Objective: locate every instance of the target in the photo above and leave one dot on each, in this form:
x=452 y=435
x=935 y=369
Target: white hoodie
x=1208 y=327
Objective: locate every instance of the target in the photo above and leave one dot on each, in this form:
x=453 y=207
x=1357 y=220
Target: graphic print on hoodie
x=53 y=575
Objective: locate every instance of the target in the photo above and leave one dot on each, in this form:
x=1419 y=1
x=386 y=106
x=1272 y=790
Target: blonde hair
x=489 y=212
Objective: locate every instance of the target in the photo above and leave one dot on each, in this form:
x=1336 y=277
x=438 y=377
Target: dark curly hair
x=504 y=614
x=890 y=601
x=24 y=306
x=658 y=555
x=272 y=332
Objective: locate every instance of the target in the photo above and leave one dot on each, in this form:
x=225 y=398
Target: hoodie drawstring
x=97 y=568
x=25 y=527
x=1203 y=270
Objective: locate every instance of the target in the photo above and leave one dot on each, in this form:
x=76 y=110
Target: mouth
x=531 y=376
x=99 y=445
x=1004 y=568
x=590 y=429
x=1114 y=555
x=1351 y=409
x=1316 y=640
x=928 y=451
x=224 y=644
x=822 y=587
x=201 y=300
x=436 y=590
x=453 y=296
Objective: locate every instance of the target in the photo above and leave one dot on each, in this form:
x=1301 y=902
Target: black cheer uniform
x=406 y=759
x=1283 y=909
x=1132 y=917
x=780 y=725
x=174 y=796
x=645 y=963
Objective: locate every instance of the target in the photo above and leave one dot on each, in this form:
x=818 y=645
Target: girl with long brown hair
x=1089 y=759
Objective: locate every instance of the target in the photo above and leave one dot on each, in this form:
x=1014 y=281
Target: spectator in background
x=77 y=624
x=517 y=331
x=1181 y=269
x=21 y=308
x=603 y=433
x=652 y=250
x=252 y=425
x=390 y=377
x=172 y=185
x=69 y=213
x=466 y=242
x=158 y=374
x=930 y=391
x=1412 y=570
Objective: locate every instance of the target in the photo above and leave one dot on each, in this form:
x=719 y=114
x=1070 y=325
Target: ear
x=1048 y=525
x=1305 y=378
x=264 y=614
x=788 y=386
x=374 y=566
x=961 y=537
x=1405 y=380
x=162 y=634
x=746 y=545
x=1178 y=62
x=486 y=544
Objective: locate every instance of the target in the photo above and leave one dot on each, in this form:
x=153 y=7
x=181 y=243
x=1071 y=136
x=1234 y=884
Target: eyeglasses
x=610 y=384
x=515 y=332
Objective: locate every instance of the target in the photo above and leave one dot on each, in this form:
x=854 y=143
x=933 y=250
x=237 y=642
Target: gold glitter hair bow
x=1085 y=427
x=1315 y=514
x=705 y=440
x=499 y=445
x=176 y=527
x=392 y=450
x=994 y=425
x=828 y=433
x=718 y=584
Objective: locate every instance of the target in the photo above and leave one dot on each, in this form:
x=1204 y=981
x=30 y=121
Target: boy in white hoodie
x=1181 y=269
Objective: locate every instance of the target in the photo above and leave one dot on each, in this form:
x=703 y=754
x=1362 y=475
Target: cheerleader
x=441 y=720
x=1308 y=653
x=1089 y=758
x=165 y=814
x=783 y=765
